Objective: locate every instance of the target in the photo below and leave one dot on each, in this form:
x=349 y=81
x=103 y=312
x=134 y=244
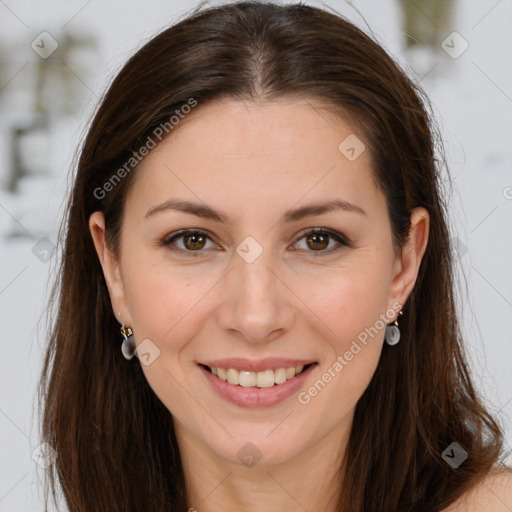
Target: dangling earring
x=128 y=345
x=392 y=336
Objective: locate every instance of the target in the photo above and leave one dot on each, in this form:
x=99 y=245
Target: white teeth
x=233 y=376
x=247 y=379
x=280 y=375
x=264 y=379
x=290 y=373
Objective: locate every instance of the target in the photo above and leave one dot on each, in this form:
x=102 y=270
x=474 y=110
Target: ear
x=110 y=266
x=408 y=264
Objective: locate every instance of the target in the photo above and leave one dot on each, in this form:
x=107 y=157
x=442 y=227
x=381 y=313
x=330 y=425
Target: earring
x=128 y=345
x=392 y=336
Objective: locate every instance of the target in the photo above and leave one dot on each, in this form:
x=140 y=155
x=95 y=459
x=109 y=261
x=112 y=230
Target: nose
x=256 y=303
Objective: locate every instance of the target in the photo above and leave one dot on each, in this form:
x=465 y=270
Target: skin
x=293 y=301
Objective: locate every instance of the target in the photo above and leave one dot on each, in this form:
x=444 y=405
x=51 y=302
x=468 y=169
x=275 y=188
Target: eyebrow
x=206 y=212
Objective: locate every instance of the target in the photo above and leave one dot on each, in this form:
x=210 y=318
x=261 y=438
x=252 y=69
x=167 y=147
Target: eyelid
x=340 y=238
x=167 y=240
x=336 y=235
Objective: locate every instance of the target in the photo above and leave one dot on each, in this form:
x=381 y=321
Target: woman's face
x=251 y=291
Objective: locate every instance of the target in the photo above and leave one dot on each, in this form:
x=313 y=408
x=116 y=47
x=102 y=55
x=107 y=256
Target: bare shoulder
x=493 y=494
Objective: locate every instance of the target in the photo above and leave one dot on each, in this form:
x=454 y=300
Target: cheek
x=353 y=305
x=161 y=297
x=155 y=303
x=165 y=307
x=351 y=301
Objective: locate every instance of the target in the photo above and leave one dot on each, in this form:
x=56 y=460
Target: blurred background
x=56 y=59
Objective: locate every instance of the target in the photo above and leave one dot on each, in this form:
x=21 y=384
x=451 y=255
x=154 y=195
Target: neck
x=311 y=480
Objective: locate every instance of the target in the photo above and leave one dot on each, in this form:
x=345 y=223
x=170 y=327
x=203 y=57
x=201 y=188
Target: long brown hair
x=114 y=438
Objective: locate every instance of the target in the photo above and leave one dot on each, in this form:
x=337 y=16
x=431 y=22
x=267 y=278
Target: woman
x=257 y=217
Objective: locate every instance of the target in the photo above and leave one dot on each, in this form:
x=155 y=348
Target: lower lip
x=253 y=396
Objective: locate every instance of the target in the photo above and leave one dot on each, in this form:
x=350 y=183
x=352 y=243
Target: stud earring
x=128 y=345
x=392 y=336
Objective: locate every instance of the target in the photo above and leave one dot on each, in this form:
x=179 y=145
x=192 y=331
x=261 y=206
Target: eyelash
x=342 y=240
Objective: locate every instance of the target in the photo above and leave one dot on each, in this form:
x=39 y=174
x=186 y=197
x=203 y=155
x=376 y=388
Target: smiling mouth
x=263 y=379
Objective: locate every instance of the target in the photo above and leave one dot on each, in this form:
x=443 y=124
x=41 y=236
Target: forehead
x=239 y=151
x=253 y=129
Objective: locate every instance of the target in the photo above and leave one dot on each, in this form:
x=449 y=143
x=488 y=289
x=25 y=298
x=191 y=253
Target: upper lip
x=256 y=365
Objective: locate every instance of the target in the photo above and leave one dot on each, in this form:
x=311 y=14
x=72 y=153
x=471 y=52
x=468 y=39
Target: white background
x=472 y=96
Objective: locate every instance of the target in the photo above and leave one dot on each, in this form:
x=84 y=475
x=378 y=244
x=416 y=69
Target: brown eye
x=191 y=241
x=194 y=242
x=319 y=240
